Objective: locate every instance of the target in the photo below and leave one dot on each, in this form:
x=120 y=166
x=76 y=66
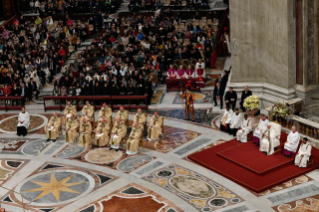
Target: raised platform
x=245 y=165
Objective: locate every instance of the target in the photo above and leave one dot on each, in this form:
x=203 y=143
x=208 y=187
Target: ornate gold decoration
x=180 y=170
x=222 y=192
x=160 y=181
x=198 y=203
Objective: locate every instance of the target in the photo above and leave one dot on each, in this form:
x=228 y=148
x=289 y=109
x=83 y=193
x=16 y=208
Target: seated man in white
x=268 y=141
x=304 y=153
x=262 y=126
x=224 y=123
x=292 y=142
x=235 y=122
x=246 y=127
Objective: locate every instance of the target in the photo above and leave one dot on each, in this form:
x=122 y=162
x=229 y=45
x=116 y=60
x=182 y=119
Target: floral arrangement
x=280 y=110
x=252 y=103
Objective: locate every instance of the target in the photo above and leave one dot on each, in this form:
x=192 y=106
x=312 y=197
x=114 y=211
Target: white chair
x=277 y=128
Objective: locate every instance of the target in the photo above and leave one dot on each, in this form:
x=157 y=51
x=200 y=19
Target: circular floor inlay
x=103 y=155
x=9 y=124
x=218 y=202
x=171 y=167
x=164 y=173
x=206 y=209
x=199 y=96
x=235 y=200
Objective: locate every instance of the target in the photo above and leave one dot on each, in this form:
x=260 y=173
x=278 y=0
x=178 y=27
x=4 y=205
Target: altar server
x=140 y=117
x=226 y=119
x=268 y=141
x=155 y=129
x=134 y=139
x=23 y=122
x=302 y=158
x=118 y=133
x=105 y=113
x=102 y=132
x=122 y=115
x=235 y=122
x=71 y=129
x=246 y=127
x=292 y=142
x=53 y=127
x=88 y=112
x=262 y=126
x=85 y=133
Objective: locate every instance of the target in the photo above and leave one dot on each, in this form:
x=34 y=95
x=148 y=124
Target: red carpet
x=248 y=156
x=211 y=159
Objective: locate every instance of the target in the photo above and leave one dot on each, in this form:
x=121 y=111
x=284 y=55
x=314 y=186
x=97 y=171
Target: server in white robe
x=292 y=142
x=23 y=122
x=262 y=126
x=235 y=122
x=224 y=123
x=302 y=158
x=268 y=140
x=246 y=127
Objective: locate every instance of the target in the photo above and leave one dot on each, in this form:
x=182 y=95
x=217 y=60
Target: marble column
x=299 y=43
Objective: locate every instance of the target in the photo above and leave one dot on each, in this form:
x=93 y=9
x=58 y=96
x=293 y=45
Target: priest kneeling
x=292 y=142
x=134 y=139
x=245 y=129
x=23 y=122
x=267 y=144
x=302 y=158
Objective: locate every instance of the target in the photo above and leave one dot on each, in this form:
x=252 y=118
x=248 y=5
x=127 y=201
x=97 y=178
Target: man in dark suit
x=231 y=98
x=24 y=93
x=244 y=95
x=33 y=89
x=218 y=94
x=223 y=81
x=218 y=80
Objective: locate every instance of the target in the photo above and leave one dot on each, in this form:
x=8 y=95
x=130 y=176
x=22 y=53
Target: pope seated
x=268 y=141
x=292 y=142
x=53 y=128
x=304 y=153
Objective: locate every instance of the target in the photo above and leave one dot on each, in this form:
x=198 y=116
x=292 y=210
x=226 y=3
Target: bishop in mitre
x=140 y=118
x=85 y=133
x=134 y=139
x=122 y=114
x=302 y=158
x=246 y=127
x=105 y=113
x=53 y=128
x=262 y=127
x=71 y=129
x=155 y=129
x=102 y=132
x=235 y=122
x=267 y=144
x=226 y=119
x=23 y=122
x=292 y=142
x=68 y=110
x=118 y=133
x=88 y=112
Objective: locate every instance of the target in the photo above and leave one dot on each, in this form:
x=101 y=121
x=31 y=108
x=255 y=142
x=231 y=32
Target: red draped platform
x=252 y=169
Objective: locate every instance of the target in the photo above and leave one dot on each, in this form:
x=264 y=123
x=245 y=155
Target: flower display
x=252 y=102
x=280 y=110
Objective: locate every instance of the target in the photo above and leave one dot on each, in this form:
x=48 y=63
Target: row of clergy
x=104 y=133
x=265 y=136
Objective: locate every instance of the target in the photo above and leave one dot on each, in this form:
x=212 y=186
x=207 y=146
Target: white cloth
x=226 y=119
x=236 y=121
x=268 y=139
x=262 y=126
x=24 y=117
x=305 y=150
x=246 y=127
x=130 y=152
x=292 y=141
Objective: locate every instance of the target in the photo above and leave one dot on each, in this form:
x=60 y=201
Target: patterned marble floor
x=65 y=177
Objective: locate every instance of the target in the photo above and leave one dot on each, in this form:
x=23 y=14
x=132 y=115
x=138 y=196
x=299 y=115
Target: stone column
x=299 y=43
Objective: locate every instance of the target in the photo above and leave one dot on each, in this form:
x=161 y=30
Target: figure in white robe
x=292 y=142
x=235 y=122
x=246 y=127
x=262 y=126
x=226 y=119
x=23 y=123
x=302 y=158
x=267 y=144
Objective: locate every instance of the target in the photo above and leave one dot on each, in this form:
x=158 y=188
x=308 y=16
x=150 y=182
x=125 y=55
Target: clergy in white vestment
x=304 y=153
x=224 y=123
x=267 y=142
x=23 y=122
x=246 y=127
x=235 y=122
x=262 y=126
x=292 y=142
